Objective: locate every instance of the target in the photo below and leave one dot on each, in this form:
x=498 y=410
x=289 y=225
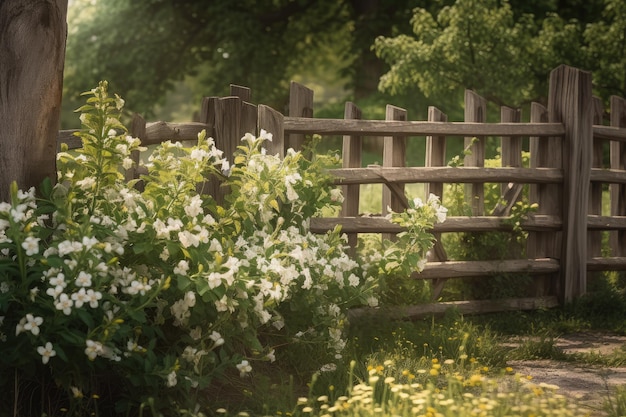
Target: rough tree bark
x=32 y=55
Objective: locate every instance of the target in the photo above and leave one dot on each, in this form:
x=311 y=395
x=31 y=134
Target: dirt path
x=590 y=385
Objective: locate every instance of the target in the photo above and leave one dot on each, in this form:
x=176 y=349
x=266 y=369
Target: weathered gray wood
x=594 y=238
x=466 y=269
x=207 y=114
x=69 y=138
x=539 y=244
x=606 y=264
x=610 y=132
x=32 y=54
x=614 y=176
x=435 y=151
x=244 y=93
x=301 y=125
x=463 y=307
x=351 y=156
x=249 y=121
x=300 y=105
x=436 y=157
x=617 y=191
x=595 y=222
x=475 y=112
x=511 y=149
x=377 y=224
x=158 y=132
x=375 y=174
x=271 y=121
x=137 y=130
x=511 y=146
x=570 y=102
x=394 y=155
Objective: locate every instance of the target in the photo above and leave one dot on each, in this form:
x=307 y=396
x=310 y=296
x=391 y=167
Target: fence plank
x=475 y=112
x=374 y=174
x=137 y=130
x=300 y=105
x=394 y=155
x=594 y=238
x=302 y=125
x=617 y=240
x=436 y=156
x=377 y=224
x=462 y=307
x=244 y=93
x=570 y=102
x=271 y=121
x=351 y=155
x=539 y=244
x=511 y=149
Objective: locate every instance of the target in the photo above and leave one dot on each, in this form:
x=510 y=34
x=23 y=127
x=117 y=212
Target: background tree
x=145 y=47
x=32 y=53
x=505 y=54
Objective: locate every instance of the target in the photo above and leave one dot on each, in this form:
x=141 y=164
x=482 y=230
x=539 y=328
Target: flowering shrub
x=152 y=283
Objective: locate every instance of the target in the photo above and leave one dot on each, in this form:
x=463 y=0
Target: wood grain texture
x=32 y=55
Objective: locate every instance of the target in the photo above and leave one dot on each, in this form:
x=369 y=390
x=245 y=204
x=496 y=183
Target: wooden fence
x=567 y=143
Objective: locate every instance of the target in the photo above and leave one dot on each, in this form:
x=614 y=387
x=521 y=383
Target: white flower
x=265 y=135
x=372 y=301
x=181 y=268
x=196 y=333
x=194 y=207
x=80 y=298
x=64 y=304
x=86 y=183
x=93 y=297
x=19 y=328
x=31 y=245
x=188 y=239
x=58 y=280
x=336 y=195
x=32 y=324
x=353 y=280
x=83 y=279
x=199 y=154
x=217 y=339
x=46 y=352
x=441 y=214
x=244 y=368
x=93 y=349
x=171 y=379
x=190 y=299
x=4 y=287
x=127 y=163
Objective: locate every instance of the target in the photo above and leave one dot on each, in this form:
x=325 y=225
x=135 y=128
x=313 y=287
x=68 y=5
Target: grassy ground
x=447 y=366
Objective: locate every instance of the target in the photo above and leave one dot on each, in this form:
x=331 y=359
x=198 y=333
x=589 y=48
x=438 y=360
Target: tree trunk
x=32 y=55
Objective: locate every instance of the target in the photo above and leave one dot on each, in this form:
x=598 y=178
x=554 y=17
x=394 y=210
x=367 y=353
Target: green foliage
x=504 y=50
x=146 y=293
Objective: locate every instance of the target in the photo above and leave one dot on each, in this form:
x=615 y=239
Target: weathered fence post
x=618 y=161
x=436 y=157
x=475 y=111
x=570 y=102
x=594 y=237
x=300 y=105
x=394 y=153
x=137 y=130
x=271 y=121
x=511 y=150
x=233 y=119
x=544 y=153
x=351 y=154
